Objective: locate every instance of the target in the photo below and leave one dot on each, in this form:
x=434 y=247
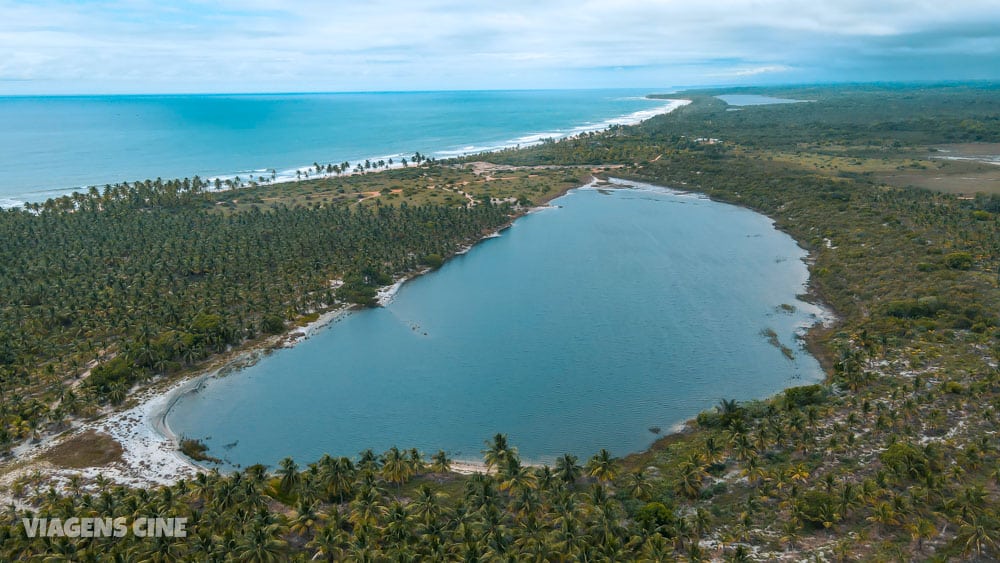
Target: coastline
x=159 y=405
x=290 y=175
x=775 y=459
x=824 y=316
x=145 y=435
x=818 y=319
x=150 y=454
x=827 y=319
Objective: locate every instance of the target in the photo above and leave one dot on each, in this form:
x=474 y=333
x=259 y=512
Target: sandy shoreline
x=150 y=454
x=308 y=172
x=150 y=448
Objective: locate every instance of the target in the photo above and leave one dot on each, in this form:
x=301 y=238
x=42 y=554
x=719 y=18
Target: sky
x=181 y=46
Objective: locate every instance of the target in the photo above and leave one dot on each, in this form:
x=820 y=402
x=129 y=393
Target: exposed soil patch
x=89 y=449
x=949 y=176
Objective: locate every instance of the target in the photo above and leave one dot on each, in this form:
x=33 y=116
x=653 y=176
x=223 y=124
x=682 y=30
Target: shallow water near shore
x=50 y=146
x=581 y=327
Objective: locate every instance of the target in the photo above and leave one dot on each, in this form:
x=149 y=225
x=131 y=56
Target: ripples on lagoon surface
x=580 y=328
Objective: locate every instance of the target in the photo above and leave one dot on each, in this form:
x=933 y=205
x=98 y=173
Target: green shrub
x=958 y=260
x=196 y=450
x=817 y=509
x=709 y=419
x=654 y=516
x=953 y=387
x=804 y=395
x=206 y=324
x=115 y=370
x=914 y=308
x=714 y=490
x=906 y=460
x=433 y=261
x=272 y=324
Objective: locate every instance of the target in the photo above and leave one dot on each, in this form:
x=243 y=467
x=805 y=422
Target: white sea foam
x=18 y=200
x=300 y=172
x=532 y=139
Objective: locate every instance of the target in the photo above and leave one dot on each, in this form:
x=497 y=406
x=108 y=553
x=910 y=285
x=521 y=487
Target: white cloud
x=752 y=71
x=229 y=45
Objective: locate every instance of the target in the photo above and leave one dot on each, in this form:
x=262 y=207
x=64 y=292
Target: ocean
x=50 y=146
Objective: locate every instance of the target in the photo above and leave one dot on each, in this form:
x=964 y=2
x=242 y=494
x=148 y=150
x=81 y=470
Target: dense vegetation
x=895 y=457
x=145 y=280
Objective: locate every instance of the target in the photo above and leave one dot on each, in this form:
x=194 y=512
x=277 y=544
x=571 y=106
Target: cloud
x=230 y=45
x=751 y=71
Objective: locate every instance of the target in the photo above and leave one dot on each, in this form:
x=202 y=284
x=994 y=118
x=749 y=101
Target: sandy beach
x=149 y=450
x=307 y=172
x=150 y=454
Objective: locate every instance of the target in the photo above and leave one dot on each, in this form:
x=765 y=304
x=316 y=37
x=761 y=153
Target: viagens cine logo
x=105 y=527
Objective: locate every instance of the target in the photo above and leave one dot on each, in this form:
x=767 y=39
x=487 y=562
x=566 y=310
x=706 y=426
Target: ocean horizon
x=54 y=145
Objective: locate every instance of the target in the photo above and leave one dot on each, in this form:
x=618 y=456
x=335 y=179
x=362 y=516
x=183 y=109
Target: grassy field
x=430 y=184
x=88 y=449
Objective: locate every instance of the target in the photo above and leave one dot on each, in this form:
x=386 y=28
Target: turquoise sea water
x=50 y=145
x=579 y=328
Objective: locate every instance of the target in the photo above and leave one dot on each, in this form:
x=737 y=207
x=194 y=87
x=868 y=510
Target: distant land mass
x=134 y=300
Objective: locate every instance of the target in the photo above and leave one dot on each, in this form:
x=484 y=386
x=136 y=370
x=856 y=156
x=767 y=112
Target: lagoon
x=581 y=327
x=739 y=100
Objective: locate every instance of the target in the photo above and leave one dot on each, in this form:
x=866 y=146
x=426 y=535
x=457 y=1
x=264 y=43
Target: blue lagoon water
x=739 y=100
x=579 y=328
x=52 y=145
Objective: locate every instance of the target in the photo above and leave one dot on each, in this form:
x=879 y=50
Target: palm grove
x=893 y=457
x=145 y=280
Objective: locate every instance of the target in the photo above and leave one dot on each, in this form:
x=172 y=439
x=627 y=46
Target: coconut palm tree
x=416 y=461
x=637 y=485
x=567 y=469
x=261 y=544
x=289 y=472
x=328 y=544
x=692 y=474
x=305 y=518
x=369 y=461
x=603 y=467
x=498 y=451
x=979 y=534
x=921 y=529
x=367 y=508
x=440 y=463
x=883 y=515
x=397 y=469
x=516 y=477
x=426 y=505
